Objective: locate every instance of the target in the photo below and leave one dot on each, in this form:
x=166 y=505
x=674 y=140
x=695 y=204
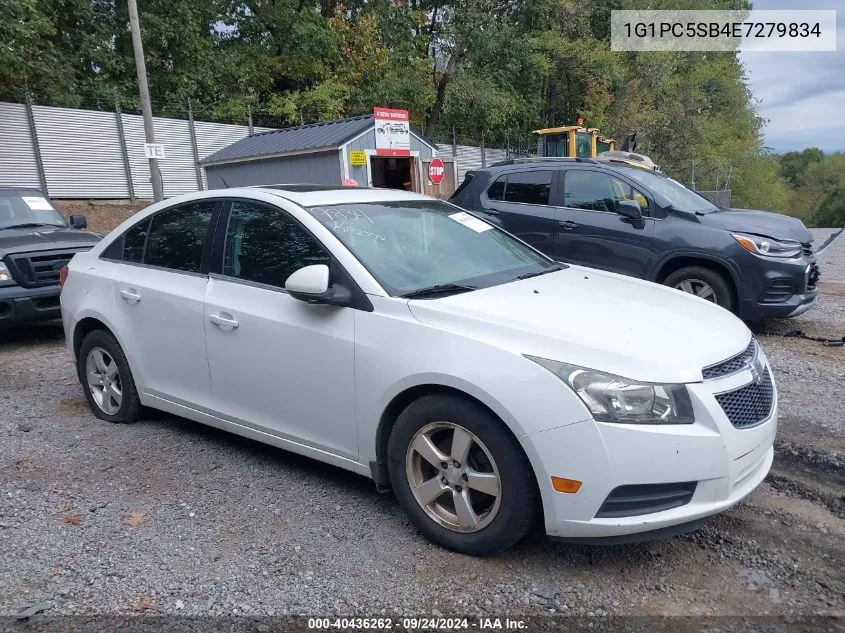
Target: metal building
x=320 y=153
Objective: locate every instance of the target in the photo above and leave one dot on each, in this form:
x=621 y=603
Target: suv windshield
x=428 y=247
x=23 y=210
x=668 y=192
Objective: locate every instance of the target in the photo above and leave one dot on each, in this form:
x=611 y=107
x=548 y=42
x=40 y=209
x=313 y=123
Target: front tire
x=460 y=476
x=705 y=283
x=106 y=378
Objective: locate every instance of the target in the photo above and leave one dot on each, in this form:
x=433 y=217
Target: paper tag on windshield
x=37 y=203
x=470 y=221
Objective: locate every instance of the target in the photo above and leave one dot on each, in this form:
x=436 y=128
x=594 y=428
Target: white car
x=408 y=341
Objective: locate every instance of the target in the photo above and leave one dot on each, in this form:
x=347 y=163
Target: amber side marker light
x=746 y=244
x=570 y=486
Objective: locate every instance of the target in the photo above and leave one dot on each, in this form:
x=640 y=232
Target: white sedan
x=408 y=341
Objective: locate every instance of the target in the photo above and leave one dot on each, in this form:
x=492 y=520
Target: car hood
x=765 y=223
x=595 y=319
x=44 y=238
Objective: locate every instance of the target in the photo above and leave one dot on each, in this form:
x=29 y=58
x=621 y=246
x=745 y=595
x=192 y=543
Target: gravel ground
x=168 y=517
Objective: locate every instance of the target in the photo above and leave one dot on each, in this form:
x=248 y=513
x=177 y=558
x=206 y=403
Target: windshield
x=409 y=246
x=668 y=192
x=24 y=209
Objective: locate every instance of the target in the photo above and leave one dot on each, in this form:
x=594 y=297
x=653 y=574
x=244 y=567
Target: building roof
x=293 y=139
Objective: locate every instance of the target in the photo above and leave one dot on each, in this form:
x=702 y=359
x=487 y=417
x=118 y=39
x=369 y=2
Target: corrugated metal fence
x=470 y=157
x=84 y=156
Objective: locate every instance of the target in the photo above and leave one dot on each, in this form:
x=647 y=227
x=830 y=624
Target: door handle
x=568 y=225
x=224 y=321
x=130 y=295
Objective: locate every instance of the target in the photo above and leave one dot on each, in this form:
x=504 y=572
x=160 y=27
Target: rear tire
x=705 y=283
x=106 y=378
x=482 y=491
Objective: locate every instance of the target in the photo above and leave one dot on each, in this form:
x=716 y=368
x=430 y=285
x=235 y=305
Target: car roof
x=550 y=162
x=314 y=195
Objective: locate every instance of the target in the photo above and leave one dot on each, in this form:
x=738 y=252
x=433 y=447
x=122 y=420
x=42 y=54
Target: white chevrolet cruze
x=406 y=340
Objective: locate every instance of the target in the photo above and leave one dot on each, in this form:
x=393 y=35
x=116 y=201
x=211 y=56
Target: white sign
x=470 y=221
x=393 y=133
x=154 y=150
x=37 y=203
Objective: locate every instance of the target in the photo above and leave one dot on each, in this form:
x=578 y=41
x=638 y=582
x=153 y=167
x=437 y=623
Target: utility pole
x=144 y=89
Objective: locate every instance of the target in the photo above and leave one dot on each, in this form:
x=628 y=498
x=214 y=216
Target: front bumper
x=23 y=305
x=779 y=289
x=726 y=462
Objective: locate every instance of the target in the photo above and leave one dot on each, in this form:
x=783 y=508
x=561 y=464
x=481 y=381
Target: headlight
x=5 y=276
x=767 y=246
x=614 y=399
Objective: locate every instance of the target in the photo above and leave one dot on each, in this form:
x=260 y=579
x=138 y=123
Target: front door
x=589 y=230
x=159 y=289
x=278 y=364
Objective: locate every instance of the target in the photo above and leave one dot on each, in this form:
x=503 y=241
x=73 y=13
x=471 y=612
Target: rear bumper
x=24 y=305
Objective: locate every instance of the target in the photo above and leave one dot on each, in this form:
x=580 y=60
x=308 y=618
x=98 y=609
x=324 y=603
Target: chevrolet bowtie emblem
x=756 y=371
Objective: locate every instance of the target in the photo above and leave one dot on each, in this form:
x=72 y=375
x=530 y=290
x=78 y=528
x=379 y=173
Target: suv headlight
x=767 y=246
x=615 y=399
x=5 y=276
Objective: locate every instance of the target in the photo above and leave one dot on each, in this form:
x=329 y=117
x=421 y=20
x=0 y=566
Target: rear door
x=159 y=288
x=520 y=202
x=590 y=232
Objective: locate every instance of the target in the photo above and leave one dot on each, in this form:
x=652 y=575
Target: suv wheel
x=462 y=479
x=705 y=283
x=106 y=378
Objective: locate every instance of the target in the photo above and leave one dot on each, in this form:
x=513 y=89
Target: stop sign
x=436 y=171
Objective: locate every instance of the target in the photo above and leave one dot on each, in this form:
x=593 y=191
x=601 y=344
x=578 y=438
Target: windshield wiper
x=439 y=289
x=537 y=273
x=30 y=225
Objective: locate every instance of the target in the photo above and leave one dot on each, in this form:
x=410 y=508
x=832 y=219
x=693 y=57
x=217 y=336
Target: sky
x=802 y=95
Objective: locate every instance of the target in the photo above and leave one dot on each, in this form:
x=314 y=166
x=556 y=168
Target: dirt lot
x=102 y=215
x=168 y=517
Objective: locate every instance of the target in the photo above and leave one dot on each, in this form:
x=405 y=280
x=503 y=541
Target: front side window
x=669 y=193
x=177 y=236
x=266 y=246
x=595 y=191
x=409 y=246
x=529 y=187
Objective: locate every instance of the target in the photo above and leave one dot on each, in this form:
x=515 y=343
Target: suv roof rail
x=546 y=159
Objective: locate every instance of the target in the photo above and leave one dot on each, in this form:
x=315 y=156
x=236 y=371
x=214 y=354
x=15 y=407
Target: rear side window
x=267 y=246
x=467 y=179
x=496 y=191
x=134 y=241
x=529 y=187
x=175 y=237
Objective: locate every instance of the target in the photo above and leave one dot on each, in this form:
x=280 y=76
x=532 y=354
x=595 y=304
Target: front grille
x=807 y=248
x=33 y=270
x=629 y=501
x=749 y=405
x=779 y=290
x=732 y=365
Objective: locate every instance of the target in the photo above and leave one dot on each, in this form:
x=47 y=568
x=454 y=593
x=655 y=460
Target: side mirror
x=310 y=284
x=78 y=222
x=630 y=209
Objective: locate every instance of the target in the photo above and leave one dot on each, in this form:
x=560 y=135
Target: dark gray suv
x=634 y=221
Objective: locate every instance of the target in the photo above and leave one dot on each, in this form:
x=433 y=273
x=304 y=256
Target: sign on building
x=358 y=158
x=154 y=150
x=393 y=134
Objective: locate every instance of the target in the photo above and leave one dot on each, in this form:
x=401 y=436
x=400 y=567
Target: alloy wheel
x=453 y=477
x=104 y=380
x=698 y=288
